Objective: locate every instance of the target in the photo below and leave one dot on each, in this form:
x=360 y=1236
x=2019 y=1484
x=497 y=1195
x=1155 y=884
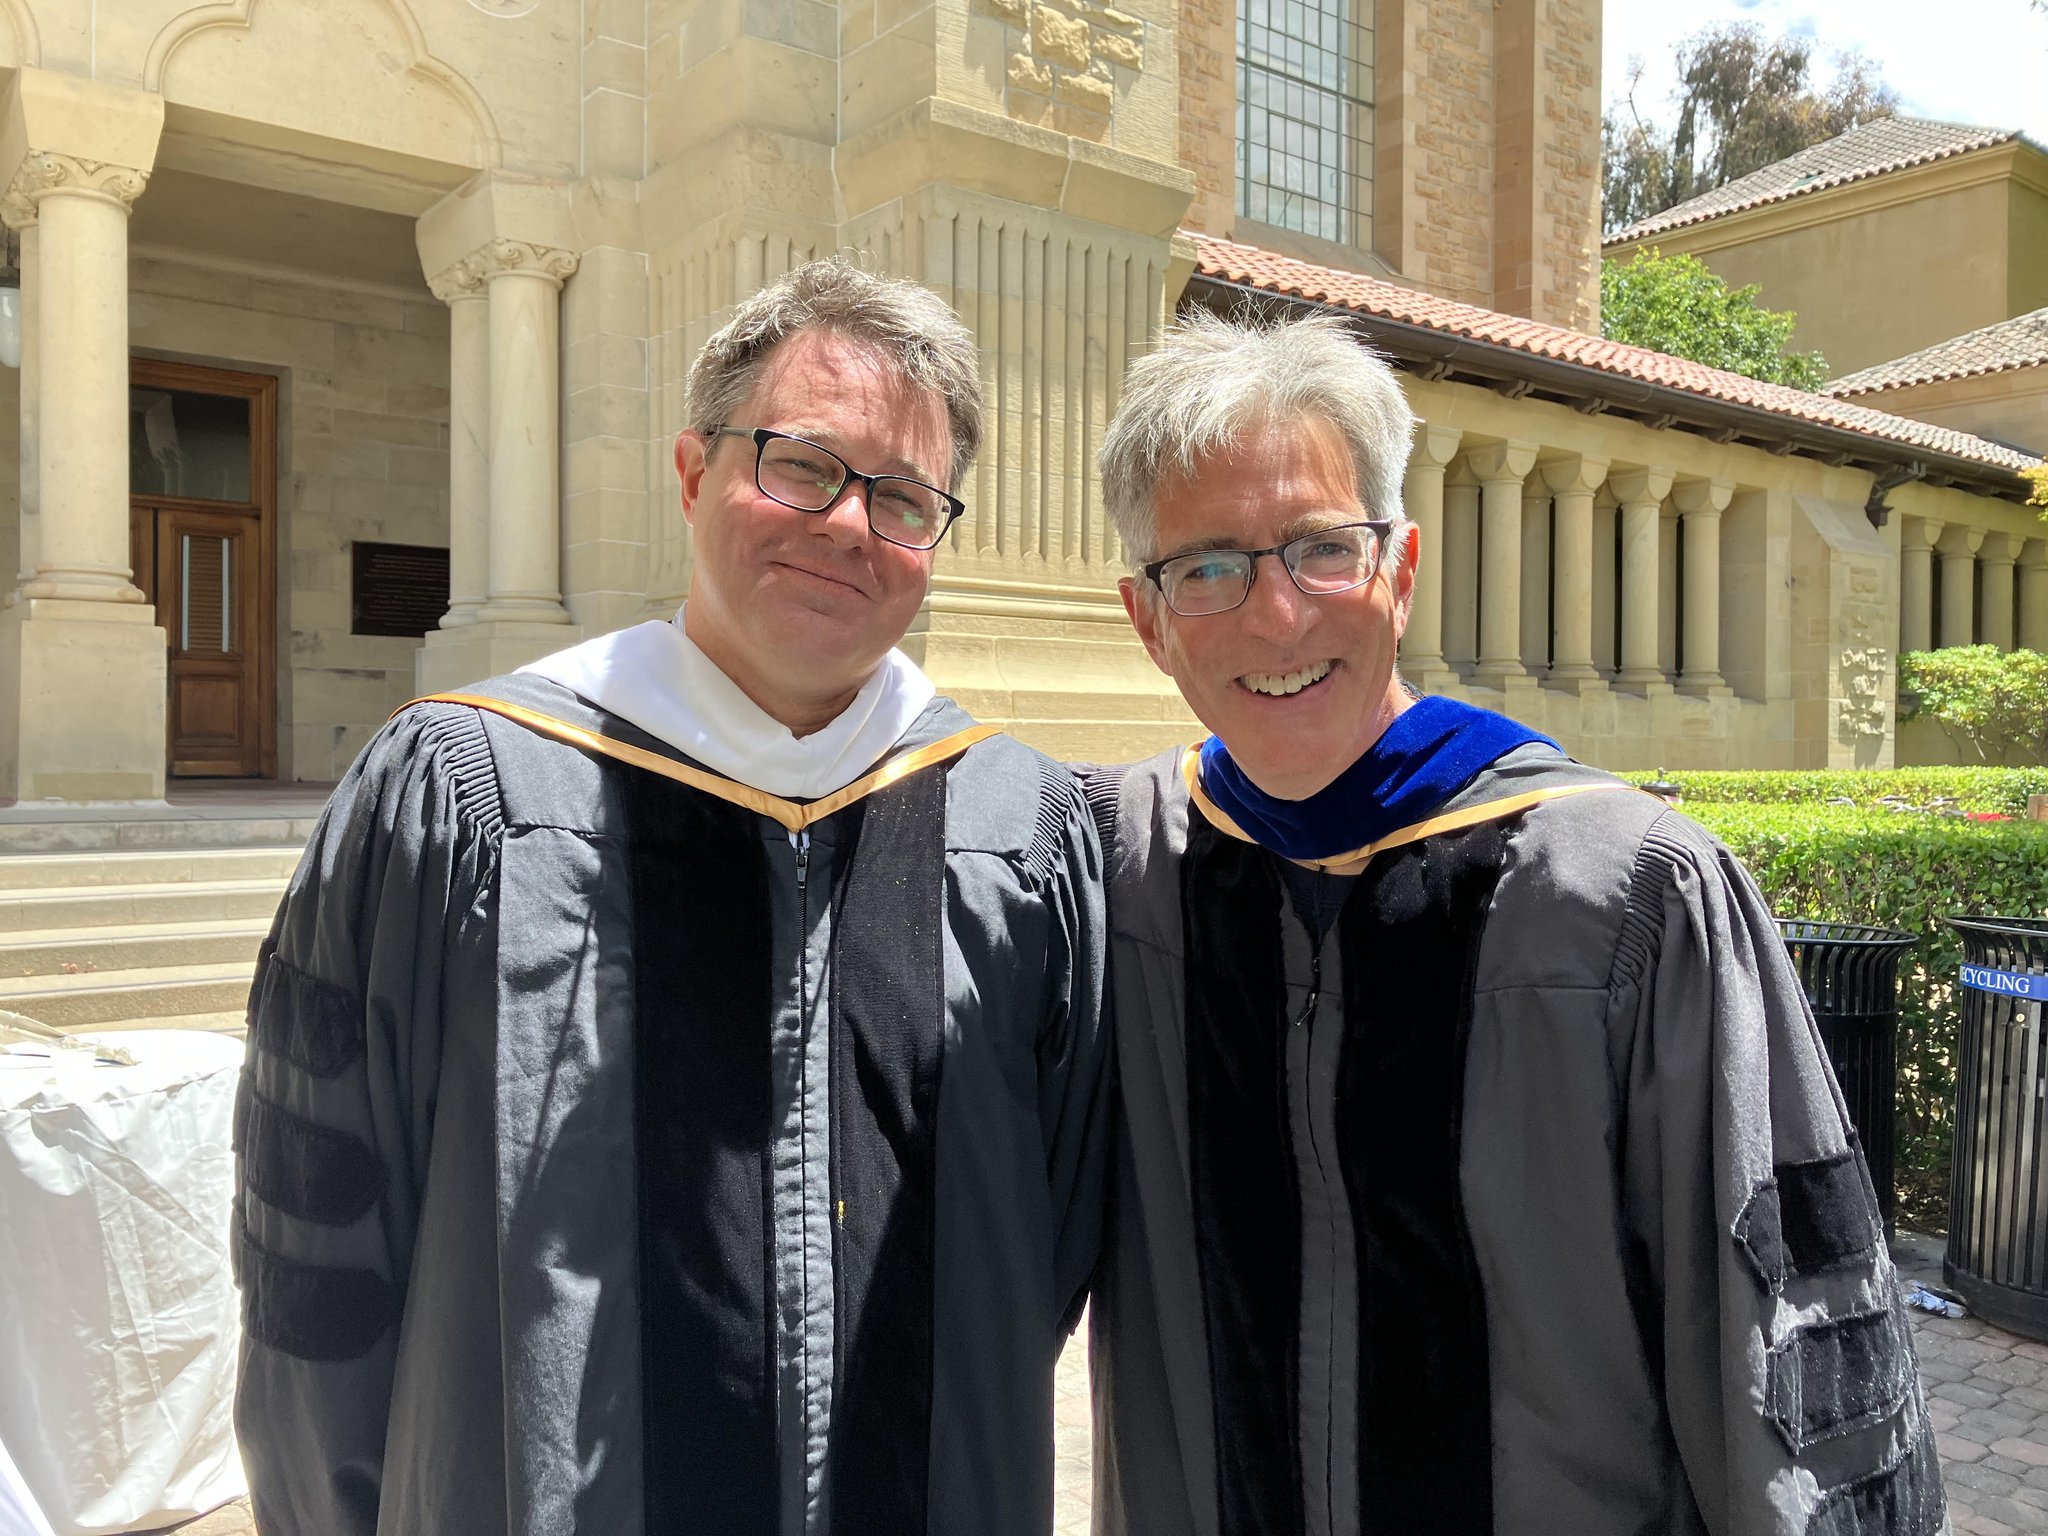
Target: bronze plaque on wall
x=398 y=589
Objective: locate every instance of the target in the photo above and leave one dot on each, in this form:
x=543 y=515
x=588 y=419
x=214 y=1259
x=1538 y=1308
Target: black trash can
x=1851 y=975
x=1997 y=1256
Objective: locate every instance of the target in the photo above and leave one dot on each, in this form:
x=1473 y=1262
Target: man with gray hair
x=1480 y=1172
x=677 y=1092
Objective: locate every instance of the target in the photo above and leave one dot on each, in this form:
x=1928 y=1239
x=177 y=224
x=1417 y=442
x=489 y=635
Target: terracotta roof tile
x=1255 y=268
x=2020 y=342
x=1871 y=149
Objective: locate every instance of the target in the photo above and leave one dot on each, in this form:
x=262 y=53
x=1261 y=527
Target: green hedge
x=1973 y=789
x=1899 y=871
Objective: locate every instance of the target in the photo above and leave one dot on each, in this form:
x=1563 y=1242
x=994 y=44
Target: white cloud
x=1966 y=61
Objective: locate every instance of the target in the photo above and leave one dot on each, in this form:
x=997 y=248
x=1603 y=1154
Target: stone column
x=1501 y=468
x=1573 y=481
x=82 y=662
x=1996 y=559
x=1641 y=493
x=1536 y=577
x=1606 y=582
x=1422 y=498
x=30 y=384
x=1958 y=548
x=1917 y=537
x=463 y=290
x=498 y=250
x=1700 y=504
x=2033 y=625
x=1461 y=566
x=1668 y=598
x=525 y=554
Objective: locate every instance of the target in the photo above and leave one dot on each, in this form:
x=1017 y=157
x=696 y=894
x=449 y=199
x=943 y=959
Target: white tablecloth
x=118 y=1317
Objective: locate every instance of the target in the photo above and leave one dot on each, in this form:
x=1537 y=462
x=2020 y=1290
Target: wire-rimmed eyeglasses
x=1329 y=560
x=801 y=474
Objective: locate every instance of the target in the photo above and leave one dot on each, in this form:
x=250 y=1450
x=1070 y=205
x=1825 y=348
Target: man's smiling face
x=1297 y=687
x=804 y=605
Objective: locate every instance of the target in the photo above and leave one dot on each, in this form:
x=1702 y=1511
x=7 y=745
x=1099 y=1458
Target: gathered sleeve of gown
x=1769 y=1296
x=336 y=1110
x=1075 y=1055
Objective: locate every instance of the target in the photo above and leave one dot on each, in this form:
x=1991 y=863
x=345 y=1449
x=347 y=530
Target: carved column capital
x=464 y=280
x=1434 y=446
x=502 y=258
x=1635 y=487
x=45 y=173
x=1695 y=497
x=1579 y=472
x=1500 y=463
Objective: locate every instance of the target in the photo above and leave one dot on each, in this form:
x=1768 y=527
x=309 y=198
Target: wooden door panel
x=206 y=573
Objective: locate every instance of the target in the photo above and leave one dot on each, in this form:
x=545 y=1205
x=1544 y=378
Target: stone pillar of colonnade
x=2033 y=596
x=1461 y=566
x=498 y=250
x=1536 y=576
x=1917 y=538
x=1606 y=581
x=1641 y=494
x=1958 y=550
x=1501 y=469
x=1995 y=560
x=462 y=288
x=1668 y=598
x=1700 y=504
x=1422 y=499
x=1573 y=482
x=82 y=661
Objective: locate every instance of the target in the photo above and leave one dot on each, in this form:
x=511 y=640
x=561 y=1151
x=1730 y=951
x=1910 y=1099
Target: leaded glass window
x=1304 y=117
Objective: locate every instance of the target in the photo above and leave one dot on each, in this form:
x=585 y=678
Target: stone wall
x=362 y=454
x=1208 y=109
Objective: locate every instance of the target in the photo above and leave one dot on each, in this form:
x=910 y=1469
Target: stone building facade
x=449 y=260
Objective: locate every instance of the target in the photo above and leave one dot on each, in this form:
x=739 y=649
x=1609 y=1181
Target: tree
x=1994 y=702
x=1674 y=304
x=1742 y=104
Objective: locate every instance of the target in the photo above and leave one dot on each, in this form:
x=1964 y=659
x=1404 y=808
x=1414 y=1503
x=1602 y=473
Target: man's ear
x=1401 y=574
x=693 y=455
x=1146 y=618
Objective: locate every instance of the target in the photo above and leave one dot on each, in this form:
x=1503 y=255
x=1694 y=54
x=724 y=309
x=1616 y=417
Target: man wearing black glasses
x=1479 y=1171
x=678 y=1090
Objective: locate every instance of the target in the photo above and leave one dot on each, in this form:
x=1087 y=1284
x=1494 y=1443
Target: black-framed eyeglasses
x=801 y=474
x=1330 y=560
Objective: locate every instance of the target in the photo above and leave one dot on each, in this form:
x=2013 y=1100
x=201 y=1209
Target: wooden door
x=202 y=516
x=203 y=574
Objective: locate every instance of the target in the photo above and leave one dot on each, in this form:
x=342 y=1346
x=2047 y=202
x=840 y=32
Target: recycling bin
x=1997 y=1257
x=1851 y=975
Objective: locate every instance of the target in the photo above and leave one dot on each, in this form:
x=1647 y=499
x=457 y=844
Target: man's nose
x=846 y=520
x=1275 y=609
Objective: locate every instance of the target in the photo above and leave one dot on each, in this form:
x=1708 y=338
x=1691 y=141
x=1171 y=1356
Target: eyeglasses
x=1327 y=561
x=809 y=478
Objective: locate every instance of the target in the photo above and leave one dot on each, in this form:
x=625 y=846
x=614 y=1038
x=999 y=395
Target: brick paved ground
x=1987 y=1394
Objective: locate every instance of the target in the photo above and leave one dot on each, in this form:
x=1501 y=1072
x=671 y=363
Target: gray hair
x=908 y=328
x=1211 y=382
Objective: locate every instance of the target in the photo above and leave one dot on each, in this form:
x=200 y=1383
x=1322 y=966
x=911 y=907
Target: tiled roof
x=2020 y=342
x=1872 y=149
x=1252 y=267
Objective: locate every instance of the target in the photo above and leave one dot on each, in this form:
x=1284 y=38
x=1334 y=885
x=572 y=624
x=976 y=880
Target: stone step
x=169 y=866
x=184 y=901
x=129 y=946
x=33 y=829
x=105 y=998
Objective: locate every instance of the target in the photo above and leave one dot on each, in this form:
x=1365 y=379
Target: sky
x=1983 y=62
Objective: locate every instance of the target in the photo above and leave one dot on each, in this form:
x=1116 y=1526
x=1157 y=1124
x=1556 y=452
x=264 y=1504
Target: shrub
x=1992 y=701
x=1908 y=872
x=2003 y=790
